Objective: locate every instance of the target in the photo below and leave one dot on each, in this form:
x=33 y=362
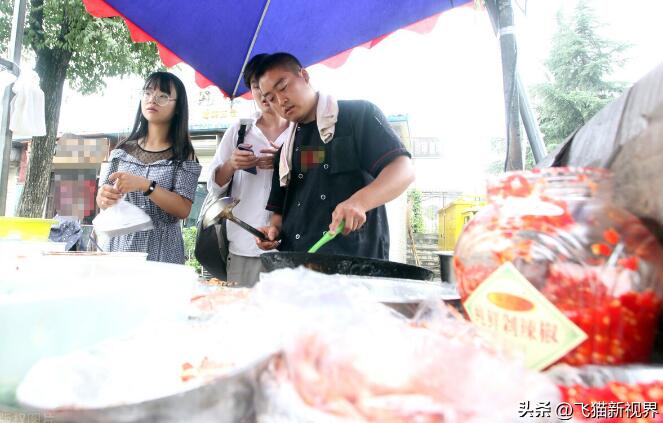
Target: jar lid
x=581 y=182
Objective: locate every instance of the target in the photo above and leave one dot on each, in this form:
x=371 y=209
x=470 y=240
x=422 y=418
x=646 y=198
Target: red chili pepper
x=187 y=372
x=630 y=263
x=601 y=250
x=611 y=236
x=616 y=393
x=519 y=186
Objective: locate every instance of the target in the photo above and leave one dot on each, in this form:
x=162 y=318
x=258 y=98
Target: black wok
x=344 y=265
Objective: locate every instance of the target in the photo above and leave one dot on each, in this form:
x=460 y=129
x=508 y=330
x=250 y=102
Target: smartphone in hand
x=245 y=127
x=243 y=147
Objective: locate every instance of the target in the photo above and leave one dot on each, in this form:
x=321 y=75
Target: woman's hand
x=266 y=161
x=107 y=196
x=127 y=182
x=243 y=159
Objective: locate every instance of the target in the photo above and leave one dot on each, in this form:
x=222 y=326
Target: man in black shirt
x=343 y=162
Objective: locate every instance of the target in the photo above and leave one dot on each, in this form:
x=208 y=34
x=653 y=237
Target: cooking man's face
x=288 y=93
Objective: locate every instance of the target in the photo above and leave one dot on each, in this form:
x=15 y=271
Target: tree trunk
x=52 y=67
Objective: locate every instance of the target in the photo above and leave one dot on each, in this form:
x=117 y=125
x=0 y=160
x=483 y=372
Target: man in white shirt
x=261 y=141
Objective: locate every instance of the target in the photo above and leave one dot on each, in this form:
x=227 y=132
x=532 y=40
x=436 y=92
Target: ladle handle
x=249 y=228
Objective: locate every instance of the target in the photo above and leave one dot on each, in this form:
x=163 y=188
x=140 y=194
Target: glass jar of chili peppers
x=595 y=262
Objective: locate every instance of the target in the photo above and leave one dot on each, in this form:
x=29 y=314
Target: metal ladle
x=222 y=208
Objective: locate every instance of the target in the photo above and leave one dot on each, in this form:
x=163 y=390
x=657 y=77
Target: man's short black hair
x=251 y=67
x=281 y=59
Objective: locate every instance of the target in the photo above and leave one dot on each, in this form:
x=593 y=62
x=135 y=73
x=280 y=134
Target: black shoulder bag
x=211 y=249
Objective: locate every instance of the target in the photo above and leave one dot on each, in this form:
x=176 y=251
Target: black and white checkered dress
x=163 y=243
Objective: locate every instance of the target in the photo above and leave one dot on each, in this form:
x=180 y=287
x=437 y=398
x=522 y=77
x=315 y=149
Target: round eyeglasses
x=160 y=99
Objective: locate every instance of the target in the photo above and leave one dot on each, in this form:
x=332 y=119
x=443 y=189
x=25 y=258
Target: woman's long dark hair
x=179 y=124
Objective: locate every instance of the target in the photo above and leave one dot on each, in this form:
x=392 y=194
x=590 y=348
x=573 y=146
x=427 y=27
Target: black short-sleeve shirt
x=324 y=175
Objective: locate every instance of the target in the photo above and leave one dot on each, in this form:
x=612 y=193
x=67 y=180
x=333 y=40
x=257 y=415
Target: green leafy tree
x=189 y=235
x=5 y=25
x=498 y=153
x=70 y=45
x=580 y=64
x=416 y=216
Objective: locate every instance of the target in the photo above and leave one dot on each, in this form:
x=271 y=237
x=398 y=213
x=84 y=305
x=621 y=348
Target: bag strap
x=209 y=199
x=241 y=133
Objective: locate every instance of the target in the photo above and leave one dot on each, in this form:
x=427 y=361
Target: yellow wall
x=453 y=218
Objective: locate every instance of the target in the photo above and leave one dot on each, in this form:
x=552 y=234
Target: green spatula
x=328 y=236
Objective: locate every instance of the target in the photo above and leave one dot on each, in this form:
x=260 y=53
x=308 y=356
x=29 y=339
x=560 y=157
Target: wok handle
x=249 y=228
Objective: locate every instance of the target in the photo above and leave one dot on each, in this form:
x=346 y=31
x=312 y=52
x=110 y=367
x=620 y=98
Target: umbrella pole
x=539 y=150
x=249 y=51
x=529 y=121
x=15 y=45
x=502 y=13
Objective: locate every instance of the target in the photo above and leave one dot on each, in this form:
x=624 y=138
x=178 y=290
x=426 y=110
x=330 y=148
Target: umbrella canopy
x=217 y=37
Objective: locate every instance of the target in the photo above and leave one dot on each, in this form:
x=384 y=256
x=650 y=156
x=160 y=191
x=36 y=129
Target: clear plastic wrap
x=597 y=263
x=311 y=347
x=348 y=358
x=54 y=304
x=186 y=372
x=205 y=305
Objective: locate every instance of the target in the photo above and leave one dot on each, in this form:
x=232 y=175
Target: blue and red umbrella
x=217 y=37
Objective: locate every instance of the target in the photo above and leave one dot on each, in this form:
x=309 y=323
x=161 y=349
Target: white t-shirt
x=251 y=190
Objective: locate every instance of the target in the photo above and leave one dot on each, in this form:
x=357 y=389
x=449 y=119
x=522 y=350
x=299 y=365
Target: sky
x=448 y=82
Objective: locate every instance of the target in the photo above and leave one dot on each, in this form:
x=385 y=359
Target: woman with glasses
x=156 y=169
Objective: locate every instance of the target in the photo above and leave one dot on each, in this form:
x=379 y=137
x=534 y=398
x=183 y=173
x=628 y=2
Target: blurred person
x=264 y=135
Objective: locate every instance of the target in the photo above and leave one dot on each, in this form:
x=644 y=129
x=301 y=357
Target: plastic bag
x=27 y=108
x=347 y=358
x=120 y=219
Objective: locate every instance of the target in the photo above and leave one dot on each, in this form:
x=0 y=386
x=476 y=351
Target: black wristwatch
x=151 y=188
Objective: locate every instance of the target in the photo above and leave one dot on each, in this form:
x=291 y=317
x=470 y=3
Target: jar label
x=509 y=305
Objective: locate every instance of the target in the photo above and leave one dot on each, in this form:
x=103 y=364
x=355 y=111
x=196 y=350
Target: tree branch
x=36 y=24
x=64 y=25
